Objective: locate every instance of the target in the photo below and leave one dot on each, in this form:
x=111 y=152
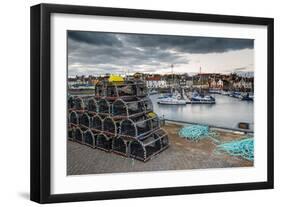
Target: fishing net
x=194 y=132
x=242 y=148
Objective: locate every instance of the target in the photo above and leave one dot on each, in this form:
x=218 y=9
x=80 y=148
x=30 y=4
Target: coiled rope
x=197 y=132
x=242 y=148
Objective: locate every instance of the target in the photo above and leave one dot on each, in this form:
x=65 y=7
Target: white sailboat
x=174 y=99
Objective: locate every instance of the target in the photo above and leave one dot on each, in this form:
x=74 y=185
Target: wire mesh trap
x=71 y=133
x=85 y=121
x=74 y=118
x=104 y=142
x=151 y=145
x=89 y=138
x=139 y=126
x=118 y=118
x=78 y=135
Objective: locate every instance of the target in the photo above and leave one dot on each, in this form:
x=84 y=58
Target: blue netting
x=194 y=132
x=243 y=148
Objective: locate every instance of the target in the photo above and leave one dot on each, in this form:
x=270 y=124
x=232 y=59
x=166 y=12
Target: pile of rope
x=243 y=148
x=194 y=132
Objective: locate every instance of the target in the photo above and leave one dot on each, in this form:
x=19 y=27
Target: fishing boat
x=215 y=91
x=198 y=98
x=167 y=95
x=247 y=97
x=226 y=93
x=235 y=94
x=152 y=92
x=172 y=101
x=173 y=98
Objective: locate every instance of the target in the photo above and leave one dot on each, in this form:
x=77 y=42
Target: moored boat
x=171 y=101
x=197 y=98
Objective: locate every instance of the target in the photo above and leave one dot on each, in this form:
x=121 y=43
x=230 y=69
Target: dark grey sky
x=100 y=53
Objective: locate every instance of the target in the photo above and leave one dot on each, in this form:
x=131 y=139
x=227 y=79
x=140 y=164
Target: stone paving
x=181 y=154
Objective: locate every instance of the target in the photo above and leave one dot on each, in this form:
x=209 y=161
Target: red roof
x=154 y=78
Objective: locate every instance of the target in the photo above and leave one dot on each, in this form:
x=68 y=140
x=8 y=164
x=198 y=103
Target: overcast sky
x=97 y=53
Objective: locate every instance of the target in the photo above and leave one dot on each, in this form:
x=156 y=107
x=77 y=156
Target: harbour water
x=227 y=112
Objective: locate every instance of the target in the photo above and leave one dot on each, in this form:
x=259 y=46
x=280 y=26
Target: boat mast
x=200 y=80
x=173 y=81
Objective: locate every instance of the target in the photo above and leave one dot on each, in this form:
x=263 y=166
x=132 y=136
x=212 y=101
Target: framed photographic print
x=133 y=103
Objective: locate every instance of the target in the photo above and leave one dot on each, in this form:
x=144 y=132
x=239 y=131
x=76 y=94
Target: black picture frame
x=41 y=95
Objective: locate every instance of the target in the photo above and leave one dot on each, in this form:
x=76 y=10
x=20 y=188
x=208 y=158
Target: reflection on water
x=227 y=111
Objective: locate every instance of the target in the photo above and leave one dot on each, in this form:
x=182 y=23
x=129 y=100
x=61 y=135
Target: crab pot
x=70 y=102
x=99 y=90
x=104 y=142
x=71 y=133
x=92 y=105
x=85 y=121
x=104 y=106
x=110 y=126
x=78 y=135
x=148 y=106
x=151 y=145
x=141 y=89
x=120 y=146
x=74 y=118
x=163 y=136
x=128 y=128
x=111 y=91
x=89 y=138
x=155 y=122
x=139 y=127
x=96 y=123
x=128 y=108
x=128 y=89
x=79 y=103
x=143 y=127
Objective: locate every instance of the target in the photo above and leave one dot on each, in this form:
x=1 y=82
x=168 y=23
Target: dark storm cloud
x=110 y=52
x=200 y=45
x=95 y=38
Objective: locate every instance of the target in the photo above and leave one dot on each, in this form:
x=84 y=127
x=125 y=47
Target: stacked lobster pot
x=119 y=118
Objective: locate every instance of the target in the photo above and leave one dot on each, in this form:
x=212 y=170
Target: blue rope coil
x=242 y=148
x=194 y=132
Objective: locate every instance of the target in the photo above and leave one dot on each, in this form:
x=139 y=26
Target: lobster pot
x=163 y=136
x=89 y=138
x=138 y=126
x=111 y=91
x=78 y=136
x=71 y=133
x=92 y=105
x=99 y=90
x=74 y=118
x=97 y=123
x=85 y=121
x=155 y=122
x=147 y=104
x=151 y=145
x=110 y=126
x=104 y=107
x=128 y=128
x=141 y=89
x=143 y=127
x=126 y=90
x=104 y=142
x=127 y=108
x=70 y=102
x=120 y=146
x=79 y=103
